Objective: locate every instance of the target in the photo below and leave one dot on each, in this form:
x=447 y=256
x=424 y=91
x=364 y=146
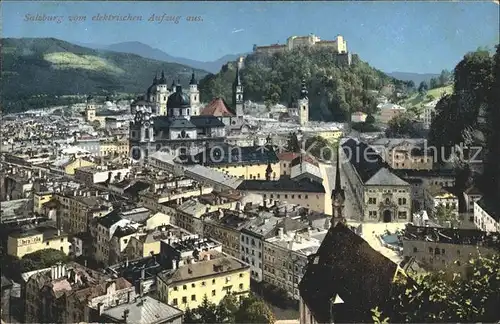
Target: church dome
x=178 y=99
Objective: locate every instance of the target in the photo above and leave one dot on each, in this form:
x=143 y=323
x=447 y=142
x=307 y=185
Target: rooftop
x=283 y=184
x=145 y=310
x=365 y=160
x=220 y=264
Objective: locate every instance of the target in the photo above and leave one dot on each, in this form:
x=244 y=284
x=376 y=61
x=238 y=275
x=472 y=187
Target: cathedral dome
x=178 y=99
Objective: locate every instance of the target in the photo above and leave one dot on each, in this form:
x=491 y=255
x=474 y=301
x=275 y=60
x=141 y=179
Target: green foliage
x=13 y=267
x=254 y=310
x=293 y=143
x=365 y=127
x=230 y=310
x=445 y=214
x=370 y=119
x=458 y=112
x=335 y=90
x=437 y=297
x=42 y=259
x=52 y=67
x=423 y=87
x=320 y=148
x=402 y=126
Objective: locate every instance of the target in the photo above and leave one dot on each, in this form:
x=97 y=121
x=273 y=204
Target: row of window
x=401 y=201
x=286 y=196
x=184 y=299
x=203 y=283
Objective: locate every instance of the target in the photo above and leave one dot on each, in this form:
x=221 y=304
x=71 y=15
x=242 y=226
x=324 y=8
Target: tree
x=410 y=85
x=445 y=214
x=254 y=310
x=293 y=144
x=320 y=148
x=42 y=259
x=370 y=119
x=422 y=88
x=438 y=297
x=401 y=125
x=445 y=77
x=434 y=83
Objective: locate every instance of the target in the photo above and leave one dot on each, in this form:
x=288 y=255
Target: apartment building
x=405 y=153
x=307 y=193
x=212 y=274
x=486 y=215
x=100 y=174
x=114 y=148
x=256 y=231
x=41 y=237
x=253 y=162
x=447 y=249
x=285 y=257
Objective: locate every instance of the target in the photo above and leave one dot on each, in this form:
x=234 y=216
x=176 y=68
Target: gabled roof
x=384 y=177
x=217 y=107
x=365 y=160
x=346 y=268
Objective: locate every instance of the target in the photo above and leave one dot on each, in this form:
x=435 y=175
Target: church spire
x=193 y=79
x=338 y=196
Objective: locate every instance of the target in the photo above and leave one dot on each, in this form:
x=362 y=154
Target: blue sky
x=423 y=37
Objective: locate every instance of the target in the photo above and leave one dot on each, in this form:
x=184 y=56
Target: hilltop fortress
x=338 y=46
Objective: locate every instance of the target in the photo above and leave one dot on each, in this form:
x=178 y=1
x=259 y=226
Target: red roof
x=287 y=156
x=217 y=108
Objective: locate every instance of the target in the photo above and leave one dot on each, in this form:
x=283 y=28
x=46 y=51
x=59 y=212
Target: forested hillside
x=38 y=71
x=334 y=90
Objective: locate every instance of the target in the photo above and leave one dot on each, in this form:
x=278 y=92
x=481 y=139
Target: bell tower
x=338 y=197
x=90 y=109
x=194 y=96
x=303 y=105
x=238 y=93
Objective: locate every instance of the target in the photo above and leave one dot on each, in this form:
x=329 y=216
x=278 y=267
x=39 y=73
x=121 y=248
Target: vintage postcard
x=250 y=162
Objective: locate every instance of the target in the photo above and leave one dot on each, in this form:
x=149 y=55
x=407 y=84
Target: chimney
x=125 y=315
x=281 y=232
x=129 y=296
x=100 y=308
x=276 y=203
x=174 y=264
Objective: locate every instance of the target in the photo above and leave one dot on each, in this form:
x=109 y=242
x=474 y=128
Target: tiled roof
x=206 y=121
x=287 y=156
x=346 y=268
x=224 y=154
x=217 y=107
x=145 y=311
x=365 y=160
x=384 y=177
x=283 y=184
x=100 y=289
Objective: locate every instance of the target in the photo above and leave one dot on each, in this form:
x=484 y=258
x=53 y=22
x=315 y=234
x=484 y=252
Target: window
x=415 y=249
x=293 y=196
x=213 y=281
x=286 y=196
x=241 y=275
x=184 y=300
x=306 y=196
x=213 y=292
x=430 y=250
x=372 y=201
x=241 y=286
x=193 y=297
x=203 y=283
x=300 y=196
x=402 y=215
x=192 y=285
x=184 y=287
x=442 y=251
x=174 y=301
x=175 y=288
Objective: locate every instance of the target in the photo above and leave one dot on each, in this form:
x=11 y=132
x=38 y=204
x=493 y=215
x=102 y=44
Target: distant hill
x=156 y=54
x=415 y=77
x=52 y=67
x=335 y=90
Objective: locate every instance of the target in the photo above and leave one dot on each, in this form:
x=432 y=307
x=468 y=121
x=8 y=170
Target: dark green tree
x=438 y=297
x=254 y=310
x=293 y=144
x=401 y=126
x=422 y=88
x=370 y=119
x=434 y=83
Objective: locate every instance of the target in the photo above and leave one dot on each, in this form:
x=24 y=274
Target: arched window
x=183 y=134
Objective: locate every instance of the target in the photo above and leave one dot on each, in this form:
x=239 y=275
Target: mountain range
x=415 y=77
x=147 y=51
x=48 y=67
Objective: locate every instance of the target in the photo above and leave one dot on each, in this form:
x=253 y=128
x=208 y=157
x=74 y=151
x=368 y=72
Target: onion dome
x=163 y=80
x=193 y=79
x=178 y=99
